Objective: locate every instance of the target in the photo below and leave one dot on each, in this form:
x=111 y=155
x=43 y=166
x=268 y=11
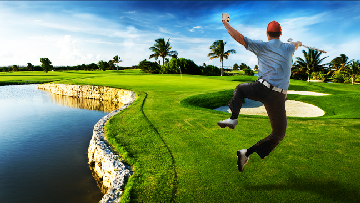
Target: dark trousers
x=274 y=103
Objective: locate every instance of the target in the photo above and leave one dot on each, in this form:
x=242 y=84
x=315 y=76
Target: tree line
x=175 y=65
x=46 y=65
x=339 y=70
x=310 y=67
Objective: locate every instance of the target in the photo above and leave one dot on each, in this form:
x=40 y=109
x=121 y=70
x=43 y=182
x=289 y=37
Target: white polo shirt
x=274 y=60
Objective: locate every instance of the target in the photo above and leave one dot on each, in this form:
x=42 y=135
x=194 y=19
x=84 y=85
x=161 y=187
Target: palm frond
x=156 y=56
x=213 y=55
x=231 y=51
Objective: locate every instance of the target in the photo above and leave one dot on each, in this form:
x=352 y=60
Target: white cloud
x=301 y=22
x=6 y=54
x=84 y=16
x=197 y=27
x=190 y=41
x=87 y=39
x=350 y=48
x=129 y=44
x=68 y=52
x=164 y=30
x=298 y=29
x=252 y=61
x=209 y=62
x=75 y=37
x=167 y=15
x=251 y=32
x=89 y=56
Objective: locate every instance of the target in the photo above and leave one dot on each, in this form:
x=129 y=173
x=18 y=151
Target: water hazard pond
x=43 y=147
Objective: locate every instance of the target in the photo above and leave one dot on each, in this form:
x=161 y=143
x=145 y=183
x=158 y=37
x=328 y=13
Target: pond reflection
x=44 y=146
x=99 y=181
x=89 y=104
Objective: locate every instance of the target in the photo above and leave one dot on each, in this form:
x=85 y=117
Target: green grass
x=179 y=154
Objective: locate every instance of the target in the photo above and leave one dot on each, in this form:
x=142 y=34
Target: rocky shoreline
x=108 y=167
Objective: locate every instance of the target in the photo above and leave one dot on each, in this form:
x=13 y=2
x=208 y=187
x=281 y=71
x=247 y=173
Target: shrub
x=357 y=78
x=231 y=74
x=211 y=70
x=172 y=67
x=249 y=72
x=318 y=76
x=235 y=66
x=37 y=68
x=189 y=67
x=149 y=67
x=92 y=66
x=341 y=77
x=347 y=78
x=297 y=75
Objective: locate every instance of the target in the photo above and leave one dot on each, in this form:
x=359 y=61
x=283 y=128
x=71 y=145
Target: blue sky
x=77 y=32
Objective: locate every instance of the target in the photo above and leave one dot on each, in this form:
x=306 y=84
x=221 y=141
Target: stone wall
x=83 y=103
x=89 y=92
x=106 y=164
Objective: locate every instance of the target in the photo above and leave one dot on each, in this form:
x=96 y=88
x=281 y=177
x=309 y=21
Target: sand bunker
x=293 y=108
x=306 y=93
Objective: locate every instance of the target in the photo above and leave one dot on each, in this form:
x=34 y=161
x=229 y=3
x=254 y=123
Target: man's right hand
x=297 y=44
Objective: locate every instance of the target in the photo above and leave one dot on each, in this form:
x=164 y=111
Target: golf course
x=170 y=137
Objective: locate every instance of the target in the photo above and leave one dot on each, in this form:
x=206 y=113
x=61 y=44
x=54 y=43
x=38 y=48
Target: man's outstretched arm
x=235 y=34
x=297 y=44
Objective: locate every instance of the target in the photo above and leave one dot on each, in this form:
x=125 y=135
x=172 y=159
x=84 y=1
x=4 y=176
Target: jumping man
x=274 y=61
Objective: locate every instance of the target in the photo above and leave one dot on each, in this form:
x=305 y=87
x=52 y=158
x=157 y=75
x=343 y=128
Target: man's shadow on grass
x=328 y=189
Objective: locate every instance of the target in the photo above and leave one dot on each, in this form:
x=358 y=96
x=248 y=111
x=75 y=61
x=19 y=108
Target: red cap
x=273 y=27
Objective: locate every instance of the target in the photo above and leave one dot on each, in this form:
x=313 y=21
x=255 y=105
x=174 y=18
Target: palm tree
x=217 y=51
x=312 y=62
x=162 y=49
x=116 y=60
x=353 y=69
x=339 y=63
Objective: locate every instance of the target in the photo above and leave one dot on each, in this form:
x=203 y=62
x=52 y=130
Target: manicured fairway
x=179 y=154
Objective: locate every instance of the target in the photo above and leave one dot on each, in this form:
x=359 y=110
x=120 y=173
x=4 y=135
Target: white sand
x=293 y=108
x=306 y=93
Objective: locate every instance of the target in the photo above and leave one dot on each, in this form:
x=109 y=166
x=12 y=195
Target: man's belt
x=268 y=85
